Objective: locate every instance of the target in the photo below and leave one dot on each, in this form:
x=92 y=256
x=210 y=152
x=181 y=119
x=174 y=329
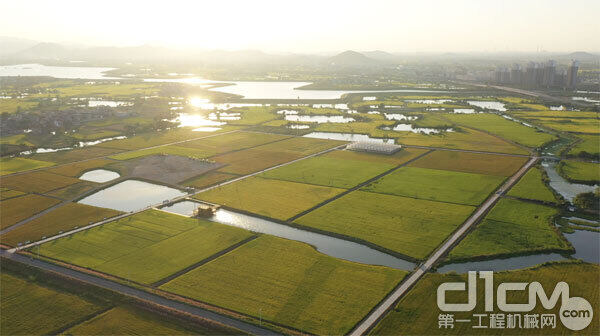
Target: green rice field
x=340 y=169
x=437 y=185
x=512 y=227
x=145 y=247
x=507 y=129
x=532 y=186
x=31 y=309
x=489 y=164
x=267 y=197
x=289 y=283
x=405 y=225
x=14 y=210
x=579 y=171
x=18 y=164
x=63 y=218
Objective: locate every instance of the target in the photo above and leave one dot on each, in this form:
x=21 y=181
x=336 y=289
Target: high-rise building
x=549 y=73
x=530 y=75
x=572 y=75
x=516 y=74
x=560 y=79
x=539 y=75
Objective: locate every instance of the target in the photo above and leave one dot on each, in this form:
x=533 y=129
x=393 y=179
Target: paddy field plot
x=14 y=210
x=507 y=129
x=269 y=155
x=437 y=185
x=253 y=115
x=579 y=171
x=145 y=247
x=18 y=164
x=405 y=225
x=73 y=191
x=164 y=150
x=78 y=168
x=124 y=90
x=6 y=193
x=37 y=182
x=63 y=218
x=575 y=125
x=589 y=144
x=268 y=197
x=14 y=105
x=130 y=321
x=555 y=114
x=476 y=163
x=156 y=138
x=341 y=169
x=290 y=283
x=512 y=227
x=233 y=141
x=531 y=186
x=30 y=309
x=421 y=301
x=252 y=160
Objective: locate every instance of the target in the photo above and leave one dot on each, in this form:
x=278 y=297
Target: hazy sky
x=312 y=26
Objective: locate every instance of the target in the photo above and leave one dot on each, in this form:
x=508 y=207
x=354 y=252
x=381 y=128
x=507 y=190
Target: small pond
x=131 y=195
x=99 y=175
x=319 y=119
x=399 y=116
x=347 y=137
x=298 y=126
x=411 y=128
x=196 y=120
x=429 y=101
x=463 y=111
x=490 y=105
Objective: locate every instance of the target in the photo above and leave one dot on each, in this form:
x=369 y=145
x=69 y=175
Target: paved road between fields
x=375 y=315
x=140 y=294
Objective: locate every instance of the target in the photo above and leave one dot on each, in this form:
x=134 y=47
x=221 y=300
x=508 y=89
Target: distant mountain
x=351 y=58
x=380 y=55
x=53 y=51
x=582 y=56
x=11 y=45
x=44 y=51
